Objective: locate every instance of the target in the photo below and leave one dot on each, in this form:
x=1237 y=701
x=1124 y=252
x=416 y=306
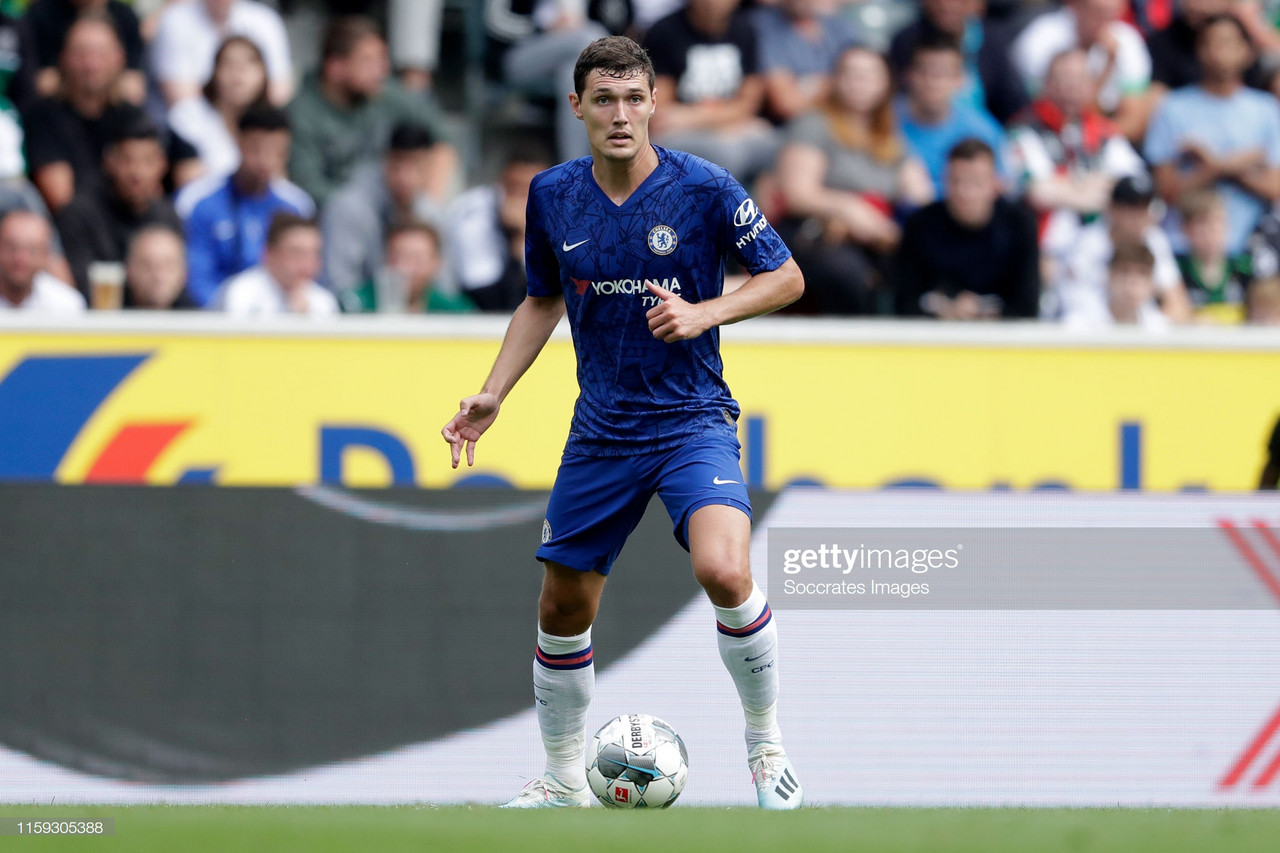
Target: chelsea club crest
x=662 y=240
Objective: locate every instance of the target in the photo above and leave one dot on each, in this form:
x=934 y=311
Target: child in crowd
x=1130 y=296
x=1215 y=280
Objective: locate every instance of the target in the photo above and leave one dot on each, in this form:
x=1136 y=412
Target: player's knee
x=725 y=577
x=565 y=616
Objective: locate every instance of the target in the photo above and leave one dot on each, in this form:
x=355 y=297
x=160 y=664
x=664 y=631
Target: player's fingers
x=471 y=454
x=658 y=291
x=455 y=448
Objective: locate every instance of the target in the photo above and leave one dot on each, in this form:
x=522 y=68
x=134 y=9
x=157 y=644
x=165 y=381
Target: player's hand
x=673 y=319
x=475 y=415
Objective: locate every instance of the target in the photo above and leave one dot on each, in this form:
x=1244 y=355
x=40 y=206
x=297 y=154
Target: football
x=637 y=761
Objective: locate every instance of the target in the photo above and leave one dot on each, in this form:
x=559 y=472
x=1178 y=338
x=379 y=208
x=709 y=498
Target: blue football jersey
x=637 y=393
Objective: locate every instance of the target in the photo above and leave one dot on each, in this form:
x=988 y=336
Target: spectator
x=537 y=43
x=1219 y=133
x=710 y=87
x=990 y=81
x=800 y=41
x=972 y=256
x=1080 y=270
x=1262 y=308
x=284 y=282
x=485 y=237
x=102 y=219
x=408 y=282
x=24 y=254
x=1174 y=63
x=1068 y=154
x=66 y=133
x=413 y=28
x=50 y=20
x=376 y=199
x=1215 y=280
x=344 y=116
x=188 y=36
x=1263 y=247
x=211 y=119
x=1131 y=292
x=18 y=63
x=227 y=219
x=156 y=271
x=929 y=115
x=843 y=172
x=1118 y=57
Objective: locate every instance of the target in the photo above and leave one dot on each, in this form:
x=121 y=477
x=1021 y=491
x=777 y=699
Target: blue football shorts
x=597 y=502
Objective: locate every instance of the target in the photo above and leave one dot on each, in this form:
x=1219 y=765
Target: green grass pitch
x=462 y=829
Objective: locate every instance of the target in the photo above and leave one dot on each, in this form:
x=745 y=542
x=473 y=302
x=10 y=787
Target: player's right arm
x=528 y=333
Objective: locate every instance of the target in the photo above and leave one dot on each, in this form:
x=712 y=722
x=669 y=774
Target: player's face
x=616 y=111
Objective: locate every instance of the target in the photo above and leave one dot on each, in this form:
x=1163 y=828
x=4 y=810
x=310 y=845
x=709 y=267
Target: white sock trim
x=745 y=613
x=553 y=645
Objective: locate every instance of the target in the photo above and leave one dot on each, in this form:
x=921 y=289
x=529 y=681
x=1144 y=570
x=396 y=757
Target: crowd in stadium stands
x=1087 y=162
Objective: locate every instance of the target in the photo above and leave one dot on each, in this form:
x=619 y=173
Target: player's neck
x=620 y=178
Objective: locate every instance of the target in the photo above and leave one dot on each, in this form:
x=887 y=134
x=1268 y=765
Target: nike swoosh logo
x=757 y=657
x=566 y=247
x=720 y=482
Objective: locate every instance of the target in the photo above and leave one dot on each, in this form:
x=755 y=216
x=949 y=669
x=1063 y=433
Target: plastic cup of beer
x=106 y=285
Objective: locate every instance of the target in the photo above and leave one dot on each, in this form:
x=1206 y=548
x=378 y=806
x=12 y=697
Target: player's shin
x=748 y=643
x=563 y=681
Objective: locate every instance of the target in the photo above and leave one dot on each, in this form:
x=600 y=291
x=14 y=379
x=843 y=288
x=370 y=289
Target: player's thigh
x=704 y=472
x=595 y=505
x=720 y=550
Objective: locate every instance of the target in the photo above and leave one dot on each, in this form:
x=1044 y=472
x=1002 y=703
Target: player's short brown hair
x=612 y=56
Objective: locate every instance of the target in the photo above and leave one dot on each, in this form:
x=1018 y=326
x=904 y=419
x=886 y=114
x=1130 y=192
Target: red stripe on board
x=1270 y=538
x=1255 y=747
x=133 y=450
x=1268 y=773
x=1254 y=561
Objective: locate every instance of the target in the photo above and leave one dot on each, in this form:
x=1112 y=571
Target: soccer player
x=631 y=242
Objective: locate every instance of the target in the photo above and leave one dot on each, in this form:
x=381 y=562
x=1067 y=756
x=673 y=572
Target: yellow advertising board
x=365 y=409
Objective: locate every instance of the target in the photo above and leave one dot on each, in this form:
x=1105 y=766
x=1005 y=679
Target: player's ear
x=575 y=104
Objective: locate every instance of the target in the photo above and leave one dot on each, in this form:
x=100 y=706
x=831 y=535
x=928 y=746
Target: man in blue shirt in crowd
x=227 y=216
x=1219 y=133
x=932 y=118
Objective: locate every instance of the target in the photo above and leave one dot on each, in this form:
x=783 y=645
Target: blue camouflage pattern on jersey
x=638 y=394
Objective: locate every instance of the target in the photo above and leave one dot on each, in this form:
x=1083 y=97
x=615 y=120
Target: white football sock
x=748 y=642
x=564 y=678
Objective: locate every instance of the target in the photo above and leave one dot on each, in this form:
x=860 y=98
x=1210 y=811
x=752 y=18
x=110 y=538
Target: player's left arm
x=674 y=319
